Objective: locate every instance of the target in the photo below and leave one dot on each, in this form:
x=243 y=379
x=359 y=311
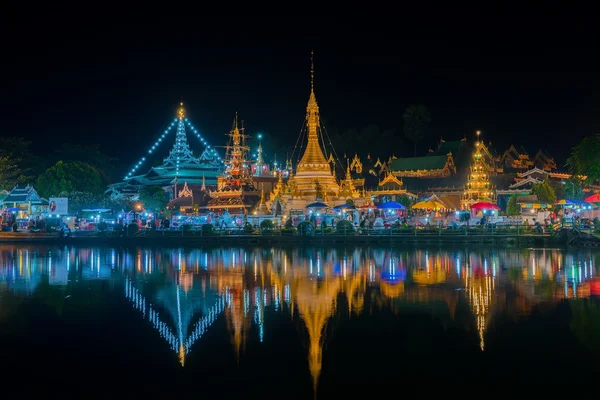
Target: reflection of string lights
x=139 y=302
x=181 y=145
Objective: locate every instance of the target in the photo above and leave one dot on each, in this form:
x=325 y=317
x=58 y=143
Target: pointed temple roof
x=185 y=192
x=180 y=163
x=390 y=180
x=181 y=152
x=313 y=155
x=22 y=194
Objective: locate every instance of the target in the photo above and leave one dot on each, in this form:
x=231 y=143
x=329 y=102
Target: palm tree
x=416 y=121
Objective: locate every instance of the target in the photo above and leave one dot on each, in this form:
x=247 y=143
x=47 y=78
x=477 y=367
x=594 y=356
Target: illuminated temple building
x=479 y=187
x=180 y=166
x=314 y=179
x=240 y=186
x=235 y=190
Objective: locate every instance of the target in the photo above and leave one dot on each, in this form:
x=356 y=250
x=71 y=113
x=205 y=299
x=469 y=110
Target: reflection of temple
x=183 y=294
x=180 y=307
x=479 y=288
x=313 y=287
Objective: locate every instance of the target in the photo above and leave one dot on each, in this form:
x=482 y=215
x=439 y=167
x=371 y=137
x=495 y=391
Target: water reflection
x=183 y=293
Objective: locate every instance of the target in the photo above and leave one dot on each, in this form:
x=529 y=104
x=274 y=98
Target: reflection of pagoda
x=314 y=290
x=237 y=323
x=479 y=287
x=235 y=190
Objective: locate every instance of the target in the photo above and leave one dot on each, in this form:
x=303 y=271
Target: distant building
x=188 y=200
x=516 y=159
x=25 y=201
x=544 y=161
x=535 y=175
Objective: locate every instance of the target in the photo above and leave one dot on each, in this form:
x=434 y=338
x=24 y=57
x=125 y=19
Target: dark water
x=277 y=323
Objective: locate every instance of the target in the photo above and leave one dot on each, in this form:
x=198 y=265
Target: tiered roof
x=180 y=164
x=24 y=194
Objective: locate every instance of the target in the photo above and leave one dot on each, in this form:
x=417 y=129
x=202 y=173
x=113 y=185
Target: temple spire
x=181 y=152
x=181 y=111
x=312 y=71
x=313 y=155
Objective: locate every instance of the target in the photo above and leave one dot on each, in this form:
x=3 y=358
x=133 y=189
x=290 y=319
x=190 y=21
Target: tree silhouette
x=416 y=122
x=10 y=173
x=544 y=192
x=68 y=177
x=512 y=208
x=585 y=159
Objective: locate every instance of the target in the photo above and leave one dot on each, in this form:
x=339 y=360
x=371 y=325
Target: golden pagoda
x=347 y=188
x=479 y=188
x=314 y=179
x=313 y=165
x=262 y=208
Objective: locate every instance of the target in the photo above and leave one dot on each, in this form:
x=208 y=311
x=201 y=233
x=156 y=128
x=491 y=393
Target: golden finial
x=182 y=355
x=312 y=70
x=181 y=111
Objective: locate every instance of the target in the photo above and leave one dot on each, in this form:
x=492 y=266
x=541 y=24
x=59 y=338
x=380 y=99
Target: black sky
x=529 y=81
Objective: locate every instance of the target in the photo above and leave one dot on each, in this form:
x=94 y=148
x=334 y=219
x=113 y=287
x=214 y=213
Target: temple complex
x=314 y=179
x=180 y=166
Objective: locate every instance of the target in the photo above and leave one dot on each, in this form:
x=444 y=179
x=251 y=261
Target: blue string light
x=199 y=136
x=160 y=139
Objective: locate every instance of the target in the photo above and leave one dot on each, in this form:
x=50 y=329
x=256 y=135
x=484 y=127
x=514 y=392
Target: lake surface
x=284 y=323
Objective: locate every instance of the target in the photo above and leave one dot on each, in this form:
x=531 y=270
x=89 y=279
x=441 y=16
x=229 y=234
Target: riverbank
x=276 y=238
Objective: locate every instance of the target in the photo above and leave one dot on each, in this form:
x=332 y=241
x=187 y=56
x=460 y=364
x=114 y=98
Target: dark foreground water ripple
x=289 y=323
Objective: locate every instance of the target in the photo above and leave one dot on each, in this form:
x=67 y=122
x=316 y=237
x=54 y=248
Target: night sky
x=529 y=82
